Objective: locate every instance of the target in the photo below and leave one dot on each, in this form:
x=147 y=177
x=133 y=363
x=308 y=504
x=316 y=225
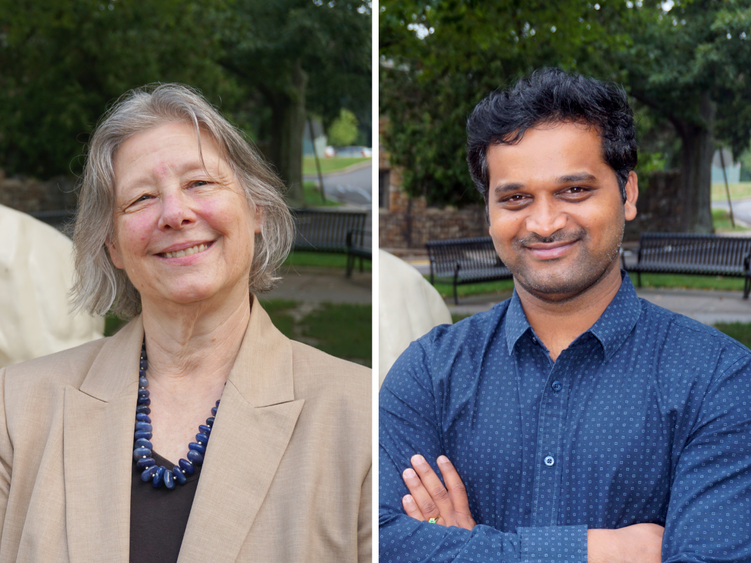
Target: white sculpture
x=408 y=308
x=36 y=272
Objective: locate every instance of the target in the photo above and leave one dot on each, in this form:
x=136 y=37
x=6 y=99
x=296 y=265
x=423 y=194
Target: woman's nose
x=176 y=210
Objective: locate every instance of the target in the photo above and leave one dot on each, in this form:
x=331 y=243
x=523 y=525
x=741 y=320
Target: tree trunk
x=697 y=149
x=288 y=125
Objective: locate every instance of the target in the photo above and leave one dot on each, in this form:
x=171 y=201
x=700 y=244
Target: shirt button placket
x=547 y=481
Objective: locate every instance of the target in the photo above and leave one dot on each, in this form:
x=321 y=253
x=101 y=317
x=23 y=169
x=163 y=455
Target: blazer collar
x=251 y=432
x=97 y=450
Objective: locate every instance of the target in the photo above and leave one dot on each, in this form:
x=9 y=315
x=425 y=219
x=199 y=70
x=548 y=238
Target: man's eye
x=514 y=200
x=576 y=190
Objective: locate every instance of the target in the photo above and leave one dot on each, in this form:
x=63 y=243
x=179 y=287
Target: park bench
x=359 y=245
x=463 y=261
x=333 y=230
x=690 y=254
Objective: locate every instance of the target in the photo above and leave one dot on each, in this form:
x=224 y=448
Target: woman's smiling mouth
x=187 y=251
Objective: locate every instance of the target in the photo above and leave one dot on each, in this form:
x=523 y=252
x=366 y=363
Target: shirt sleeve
x=409 y=424
x=710 y=501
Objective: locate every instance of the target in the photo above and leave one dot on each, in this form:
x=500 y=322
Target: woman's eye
x=198 y=183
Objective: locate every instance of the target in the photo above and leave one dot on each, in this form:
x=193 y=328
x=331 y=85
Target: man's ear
x=632 y=194
x=115 y=255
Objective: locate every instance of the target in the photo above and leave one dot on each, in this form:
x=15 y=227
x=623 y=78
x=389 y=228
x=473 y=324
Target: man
x=582 y=420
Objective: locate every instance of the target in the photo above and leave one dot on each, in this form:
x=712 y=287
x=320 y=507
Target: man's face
x=556 y=212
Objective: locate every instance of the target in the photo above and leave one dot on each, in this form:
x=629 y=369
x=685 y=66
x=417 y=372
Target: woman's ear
x=115 y=255
x=258 y=219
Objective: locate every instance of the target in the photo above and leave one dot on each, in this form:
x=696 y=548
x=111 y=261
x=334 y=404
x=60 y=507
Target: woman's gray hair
x=99 y=285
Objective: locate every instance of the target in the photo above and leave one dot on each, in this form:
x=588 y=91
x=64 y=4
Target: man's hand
x=640 y=543
x=430 y=499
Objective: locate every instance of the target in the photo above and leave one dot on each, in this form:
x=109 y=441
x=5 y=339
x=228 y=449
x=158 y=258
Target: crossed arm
x=430 y=500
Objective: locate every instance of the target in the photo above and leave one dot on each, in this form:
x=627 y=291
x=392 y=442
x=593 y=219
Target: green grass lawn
x=323 y=260
x=737 y=191
x=688 y=282
x=328 y=164
x=446 y=289
x=740 y=331
x=722 y=223
x=312 y=196
x=342 y=330
x=648 y=281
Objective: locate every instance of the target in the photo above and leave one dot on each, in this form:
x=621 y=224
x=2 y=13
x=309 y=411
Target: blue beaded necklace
x=142 y=451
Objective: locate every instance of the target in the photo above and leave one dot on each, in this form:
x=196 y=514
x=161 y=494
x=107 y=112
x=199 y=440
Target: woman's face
x=184 y=232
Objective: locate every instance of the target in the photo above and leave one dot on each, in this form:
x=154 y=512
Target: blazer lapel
x=97 y=450
x=253 y=427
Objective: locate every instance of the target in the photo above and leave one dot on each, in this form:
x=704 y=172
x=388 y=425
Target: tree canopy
x=264 y=64
x=300 y=55
x=63 y=61
x=685 y=62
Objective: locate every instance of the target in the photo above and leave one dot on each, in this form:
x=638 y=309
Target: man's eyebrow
x=573 y=178
x=501 y=189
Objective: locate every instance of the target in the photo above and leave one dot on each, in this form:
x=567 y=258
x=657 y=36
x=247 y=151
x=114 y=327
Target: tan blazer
x=287 y=476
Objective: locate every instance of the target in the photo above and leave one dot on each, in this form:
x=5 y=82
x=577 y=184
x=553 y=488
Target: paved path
x=353 y=187
x=318 y=285
x=741 y=209
x=708 y=307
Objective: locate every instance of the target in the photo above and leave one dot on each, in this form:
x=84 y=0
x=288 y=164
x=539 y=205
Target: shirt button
x=557 y=386
x=534 y=340
x=549 y=461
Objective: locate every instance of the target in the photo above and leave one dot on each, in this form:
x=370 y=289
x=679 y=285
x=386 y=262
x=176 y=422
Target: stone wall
x=32 y=196
x=409 y=222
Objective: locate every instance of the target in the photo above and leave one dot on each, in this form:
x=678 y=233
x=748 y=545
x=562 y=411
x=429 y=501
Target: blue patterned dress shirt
x=645 y=417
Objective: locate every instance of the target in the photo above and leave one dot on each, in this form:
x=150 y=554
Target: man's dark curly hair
x=549 y=96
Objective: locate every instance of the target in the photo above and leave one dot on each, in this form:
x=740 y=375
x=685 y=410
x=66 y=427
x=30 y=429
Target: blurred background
x=294 y=75
x=685 y=65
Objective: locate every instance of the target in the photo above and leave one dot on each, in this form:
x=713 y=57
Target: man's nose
x=176 y=210
x=545 y=218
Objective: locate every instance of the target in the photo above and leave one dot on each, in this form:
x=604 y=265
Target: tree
x=64 y=61
x=440 y=58
x=343 y=130
x=300 y=55
x=689 y=62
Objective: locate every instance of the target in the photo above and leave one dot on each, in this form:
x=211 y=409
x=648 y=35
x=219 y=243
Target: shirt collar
x=516 y=322
x=619 y=319
x=611 y=329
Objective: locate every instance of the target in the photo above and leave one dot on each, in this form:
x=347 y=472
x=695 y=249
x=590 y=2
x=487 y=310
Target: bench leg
x=350 y=265
x=638 y=277
x=746 y=288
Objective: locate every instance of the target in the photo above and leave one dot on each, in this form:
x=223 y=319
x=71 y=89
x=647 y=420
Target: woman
x=197 y=429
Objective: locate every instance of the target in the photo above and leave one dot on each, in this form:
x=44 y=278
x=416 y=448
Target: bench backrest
x=469 y=253
x=693 y=249
x=325 y=230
